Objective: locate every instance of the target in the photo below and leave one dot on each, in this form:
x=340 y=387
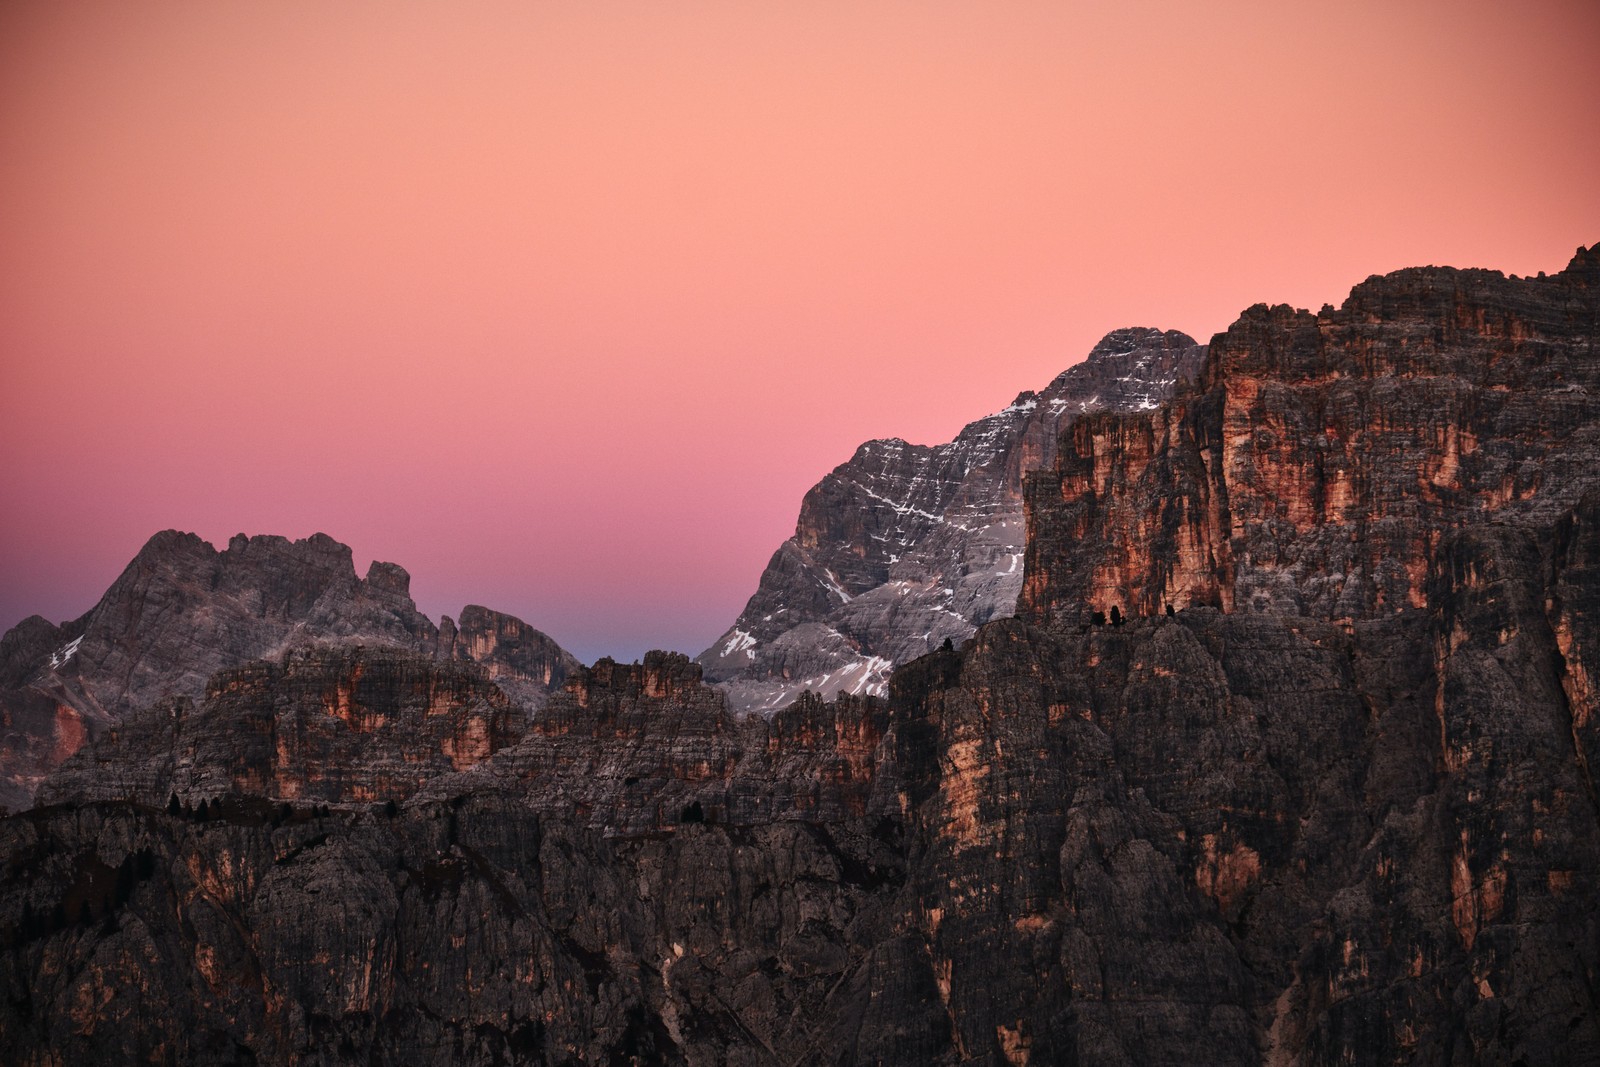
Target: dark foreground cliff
x=1337 y=806
x=1274 y=840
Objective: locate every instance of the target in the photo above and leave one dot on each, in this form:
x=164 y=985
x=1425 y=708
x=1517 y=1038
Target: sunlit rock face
x=1250 y=831
x=907 y=546
x=183 y=610
x=1321 y=459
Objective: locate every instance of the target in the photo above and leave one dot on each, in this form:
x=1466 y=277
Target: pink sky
x=564 y=306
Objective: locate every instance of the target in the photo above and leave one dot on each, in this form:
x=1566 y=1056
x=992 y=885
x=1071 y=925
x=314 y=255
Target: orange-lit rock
x=1314 y=464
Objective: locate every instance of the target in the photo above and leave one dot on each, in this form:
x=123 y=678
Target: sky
x=563 y=307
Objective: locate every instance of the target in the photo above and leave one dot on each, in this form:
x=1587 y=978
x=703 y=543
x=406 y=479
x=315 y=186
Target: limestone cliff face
x=1322 y=458
x=624 y=748
x=632 y=748
x=182 y=611
x=1278 y=839
x=639 y=877
x=1274 y=838
x=906 y=546
x=340 y=725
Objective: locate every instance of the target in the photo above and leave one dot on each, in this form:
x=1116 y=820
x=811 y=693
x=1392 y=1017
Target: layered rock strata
x=906 y=546
x=181 y=611
x=1323 y=456
x=1276 y=839
x=333 y=724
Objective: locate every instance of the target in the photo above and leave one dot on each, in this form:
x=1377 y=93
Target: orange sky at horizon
x=564 y=307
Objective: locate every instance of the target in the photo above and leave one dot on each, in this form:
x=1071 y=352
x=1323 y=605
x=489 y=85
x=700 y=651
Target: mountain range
x=1231 y=702
x=182 y=610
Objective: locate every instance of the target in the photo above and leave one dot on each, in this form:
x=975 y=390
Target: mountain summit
x=182 y=610
x=906 y=546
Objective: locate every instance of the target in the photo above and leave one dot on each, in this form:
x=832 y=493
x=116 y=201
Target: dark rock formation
x=1248 y=834
x=642 y=876
x=907 y=546
x=182 y=611
x=1319 y=829
x=340 y=725
x=1277 y=839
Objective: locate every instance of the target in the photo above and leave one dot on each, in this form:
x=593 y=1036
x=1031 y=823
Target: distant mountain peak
x=907 y=546
x=183 y=610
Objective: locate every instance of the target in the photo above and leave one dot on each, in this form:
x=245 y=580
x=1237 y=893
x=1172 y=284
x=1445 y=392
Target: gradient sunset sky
x=564 y=306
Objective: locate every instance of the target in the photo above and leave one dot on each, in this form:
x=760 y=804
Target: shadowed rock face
x=1257 y=836
x=640 y=875
x=342 y=724
x=906 y=546
x=182 y=611
x=1278 y=839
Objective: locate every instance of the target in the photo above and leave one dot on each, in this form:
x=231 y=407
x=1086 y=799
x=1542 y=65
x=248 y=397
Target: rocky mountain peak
x=182 y=610
x=906 y=546
x=390 y=578
x=1131 y=340
x=1584 y=269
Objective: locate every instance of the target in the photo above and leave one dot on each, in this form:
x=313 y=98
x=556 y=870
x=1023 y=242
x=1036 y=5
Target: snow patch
x=833 y=586
x=874 y=672
x=740 y=642
x=899 y=508
x=60 y=656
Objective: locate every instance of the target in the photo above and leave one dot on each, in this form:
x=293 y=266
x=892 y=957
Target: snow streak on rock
x=906 y=546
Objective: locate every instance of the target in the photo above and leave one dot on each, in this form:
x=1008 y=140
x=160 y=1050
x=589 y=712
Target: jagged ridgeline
x=906 y=546
x=182 y=610
x=1337 y=805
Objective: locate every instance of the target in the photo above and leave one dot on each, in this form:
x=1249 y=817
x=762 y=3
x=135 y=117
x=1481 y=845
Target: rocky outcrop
x=1322 y=458
x=333 y=724
x=624 y=748
x=632 y=748
x=523 y=661
x=907 y=546
x=181 y=611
